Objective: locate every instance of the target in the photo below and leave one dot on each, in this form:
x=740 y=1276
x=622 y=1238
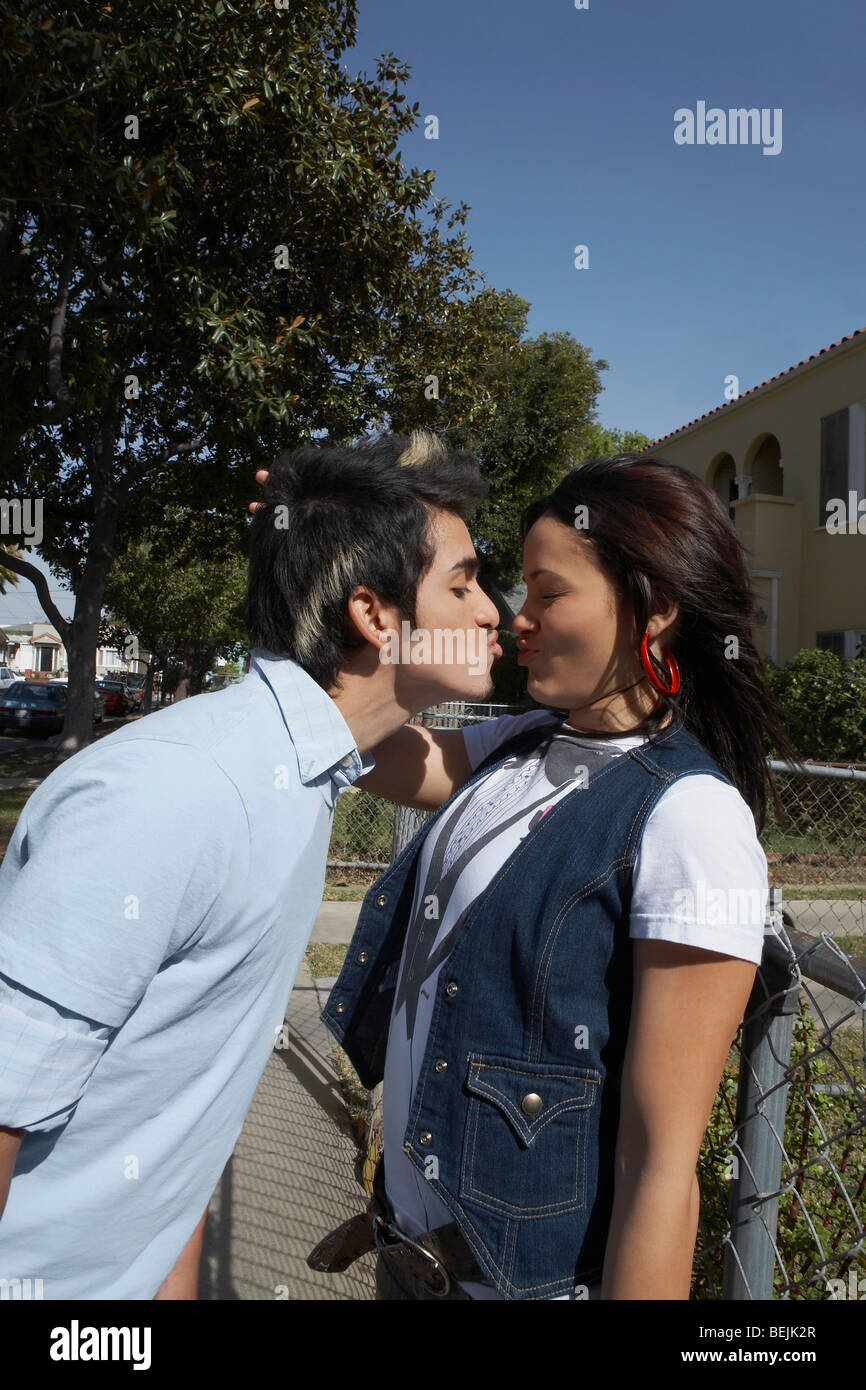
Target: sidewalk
x=292 y=1177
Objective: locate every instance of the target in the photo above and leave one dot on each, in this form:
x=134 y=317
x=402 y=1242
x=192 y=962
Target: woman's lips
x=526 y=654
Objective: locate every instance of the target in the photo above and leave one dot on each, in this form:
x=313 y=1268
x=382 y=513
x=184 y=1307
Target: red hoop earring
x=673 y=668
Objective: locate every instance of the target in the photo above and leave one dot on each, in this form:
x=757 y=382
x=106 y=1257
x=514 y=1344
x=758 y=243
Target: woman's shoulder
x=483 y=739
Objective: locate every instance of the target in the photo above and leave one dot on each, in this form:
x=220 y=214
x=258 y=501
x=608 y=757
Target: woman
x=551 y=975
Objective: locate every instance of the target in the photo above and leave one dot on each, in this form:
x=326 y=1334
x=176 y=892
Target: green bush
x=824 y=699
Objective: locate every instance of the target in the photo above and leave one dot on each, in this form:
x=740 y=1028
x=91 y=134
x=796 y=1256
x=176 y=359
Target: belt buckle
x=381 y=1226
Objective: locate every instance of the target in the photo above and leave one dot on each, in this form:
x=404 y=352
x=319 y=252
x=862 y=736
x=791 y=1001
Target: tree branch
x=136 y=474
x=39 y=579
x=57 y=388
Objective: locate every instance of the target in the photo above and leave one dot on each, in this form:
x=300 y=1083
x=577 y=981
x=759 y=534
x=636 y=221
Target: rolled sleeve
x=47 y=1055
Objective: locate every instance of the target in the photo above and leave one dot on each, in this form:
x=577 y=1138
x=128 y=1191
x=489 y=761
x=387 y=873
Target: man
x=161 y=886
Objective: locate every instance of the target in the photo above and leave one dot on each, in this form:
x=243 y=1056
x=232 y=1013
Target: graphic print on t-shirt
x=501 y=808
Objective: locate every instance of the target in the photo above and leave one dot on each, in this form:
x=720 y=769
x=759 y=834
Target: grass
x=325 y=959
x=11 y=805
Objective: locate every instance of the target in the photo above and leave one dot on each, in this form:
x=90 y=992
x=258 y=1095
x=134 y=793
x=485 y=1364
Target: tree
x=181 y=589
x=538 y=394
x=7 y=576
x=209 y=252
x=601 y=443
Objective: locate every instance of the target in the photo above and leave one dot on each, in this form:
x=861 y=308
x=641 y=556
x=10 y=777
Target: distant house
x=787 y=458
x=36 y=649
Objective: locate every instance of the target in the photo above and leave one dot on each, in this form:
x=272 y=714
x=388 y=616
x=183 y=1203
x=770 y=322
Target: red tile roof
x=726 y=404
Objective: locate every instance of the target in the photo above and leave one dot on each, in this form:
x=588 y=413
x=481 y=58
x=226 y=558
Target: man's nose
x=487 y=614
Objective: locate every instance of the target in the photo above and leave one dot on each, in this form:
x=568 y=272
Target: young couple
x=536 y=977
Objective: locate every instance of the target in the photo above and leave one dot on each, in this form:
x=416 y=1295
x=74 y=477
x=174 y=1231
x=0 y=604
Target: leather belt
x=437 y=1258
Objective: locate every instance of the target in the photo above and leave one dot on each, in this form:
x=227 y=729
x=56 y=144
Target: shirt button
x=340 y=1008
x=382 y=899
x=451 y=989
x=425 y=1137
x=531 y=1104
x=440 y=1065
x=362 y=957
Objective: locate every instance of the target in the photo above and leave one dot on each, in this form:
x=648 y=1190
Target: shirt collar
x=322 y=738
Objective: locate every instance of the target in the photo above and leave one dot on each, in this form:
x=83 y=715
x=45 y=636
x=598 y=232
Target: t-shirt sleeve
x=115 y=862
x=700 y=876
x=482 y=739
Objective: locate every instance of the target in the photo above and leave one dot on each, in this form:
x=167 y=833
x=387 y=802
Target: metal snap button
x=340 y=1008
x=382 y=899
x=440 y=1065
x=362 y=957
x=425 y=1137
x=451 y=988
x=531 y=1104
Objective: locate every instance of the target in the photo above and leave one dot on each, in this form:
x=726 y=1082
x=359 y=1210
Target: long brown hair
x=661 y=535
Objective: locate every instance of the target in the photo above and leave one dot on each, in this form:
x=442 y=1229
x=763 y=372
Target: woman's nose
x=521 y=623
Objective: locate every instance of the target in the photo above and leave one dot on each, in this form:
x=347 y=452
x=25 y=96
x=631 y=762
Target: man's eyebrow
x=471 y=563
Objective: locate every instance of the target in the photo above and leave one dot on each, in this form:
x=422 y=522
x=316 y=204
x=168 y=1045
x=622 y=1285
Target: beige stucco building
x=787 y=457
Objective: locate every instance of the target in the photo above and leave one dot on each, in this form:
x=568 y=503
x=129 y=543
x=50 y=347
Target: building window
x=834 y=459
x=845 y=644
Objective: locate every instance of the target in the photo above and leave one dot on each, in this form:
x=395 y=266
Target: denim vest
x=518 y=1096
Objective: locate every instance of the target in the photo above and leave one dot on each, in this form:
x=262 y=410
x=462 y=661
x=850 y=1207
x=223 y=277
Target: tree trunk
x=147 y=699
x=90 y=592
x=195 y=660
x=81 y=648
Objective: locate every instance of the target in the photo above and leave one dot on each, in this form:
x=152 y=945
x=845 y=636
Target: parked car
x=7 y=677
x=39 y=710
x=115 y=696
x=134 y=692
x=33 y=707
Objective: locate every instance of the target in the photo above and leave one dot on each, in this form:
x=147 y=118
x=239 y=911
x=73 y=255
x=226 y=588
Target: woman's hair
x=335 y=517
x=661 y=535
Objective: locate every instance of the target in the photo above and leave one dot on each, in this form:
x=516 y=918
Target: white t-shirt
x=700 y=878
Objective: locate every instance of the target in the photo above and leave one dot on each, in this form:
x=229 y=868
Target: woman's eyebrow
x=552 y=573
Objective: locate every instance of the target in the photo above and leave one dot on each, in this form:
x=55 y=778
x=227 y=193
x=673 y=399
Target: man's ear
x=370 y=617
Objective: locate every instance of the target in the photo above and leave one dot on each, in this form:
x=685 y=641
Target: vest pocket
x=525 y=1146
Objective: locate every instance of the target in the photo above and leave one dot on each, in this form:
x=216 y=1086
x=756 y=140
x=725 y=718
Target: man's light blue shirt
x=161 y=884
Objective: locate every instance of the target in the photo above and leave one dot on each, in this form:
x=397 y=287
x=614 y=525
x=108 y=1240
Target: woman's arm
x=418 y=767
x=687 y=1006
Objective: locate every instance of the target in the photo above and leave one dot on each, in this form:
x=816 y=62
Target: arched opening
x=763 y=462
x=720 y=476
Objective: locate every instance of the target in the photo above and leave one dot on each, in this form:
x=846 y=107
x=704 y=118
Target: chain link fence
x=782 y=1169
x=362 y=837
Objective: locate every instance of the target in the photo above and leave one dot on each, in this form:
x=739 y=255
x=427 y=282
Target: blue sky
x=556 y=126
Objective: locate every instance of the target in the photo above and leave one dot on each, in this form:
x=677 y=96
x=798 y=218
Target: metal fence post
x=759 y=1133
x=407 y=823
